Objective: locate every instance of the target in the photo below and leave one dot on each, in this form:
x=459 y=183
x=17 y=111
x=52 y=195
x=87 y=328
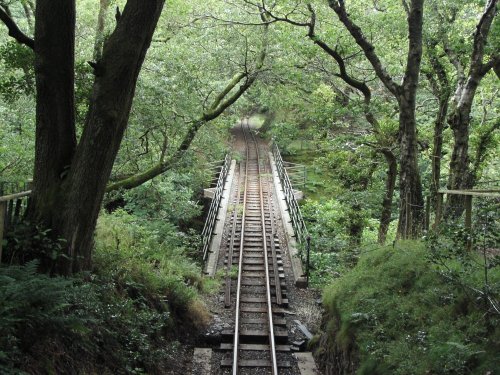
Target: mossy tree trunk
x=440 y=87
x=460 y=176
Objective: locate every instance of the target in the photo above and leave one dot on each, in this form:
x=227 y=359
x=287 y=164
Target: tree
x=70 y=177
x=411 y=217
x=460 y=176
x=383 y=142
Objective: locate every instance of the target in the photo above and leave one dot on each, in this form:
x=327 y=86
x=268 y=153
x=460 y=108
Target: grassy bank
x=396 y=312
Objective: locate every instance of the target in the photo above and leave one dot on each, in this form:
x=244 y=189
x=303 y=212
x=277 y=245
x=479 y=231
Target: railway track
x=259 y=337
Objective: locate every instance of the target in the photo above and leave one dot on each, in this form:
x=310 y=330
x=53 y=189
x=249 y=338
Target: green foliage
x=96 y=327
x=19 y=62
x=127 y=247
x=167 y=199
x=283 y=134
x=468 y=258
x=31 y=305
x=393 y=313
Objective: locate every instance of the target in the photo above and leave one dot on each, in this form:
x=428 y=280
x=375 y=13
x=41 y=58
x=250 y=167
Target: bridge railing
x=297 y=173
x=208 y=229
x=12 y=209
x=298 y=224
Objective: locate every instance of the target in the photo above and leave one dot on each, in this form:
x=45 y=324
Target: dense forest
x=114 y=112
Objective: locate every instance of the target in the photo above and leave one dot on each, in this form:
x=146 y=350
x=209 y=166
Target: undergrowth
x=395 y=313
x=123 y=317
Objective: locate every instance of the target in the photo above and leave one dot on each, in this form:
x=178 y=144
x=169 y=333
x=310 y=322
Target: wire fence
x=12 y=206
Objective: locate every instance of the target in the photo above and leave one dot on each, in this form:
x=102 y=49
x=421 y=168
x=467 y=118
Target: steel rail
x=272 y=344
x=236 y=342
x=277 y=286
x=227 y=296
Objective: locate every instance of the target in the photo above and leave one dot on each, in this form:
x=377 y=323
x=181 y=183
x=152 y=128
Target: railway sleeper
x=254 y=363
x=256 y=336
x=263 y=310
x=251 y=282
x=259 y=274
x=256 y=347
x=246 y=299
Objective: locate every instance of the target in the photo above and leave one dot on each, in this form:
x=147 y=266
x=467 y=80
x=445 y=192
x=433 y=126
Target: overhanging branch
x=221 y=102
x=14 y=30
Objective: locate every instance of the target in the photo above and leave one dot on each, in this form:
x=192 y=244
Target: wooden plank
x=306 y=364
x=201 y=361
x=257 y=333
x=473 y=193
x=3 y=211
x=277 y=321
x=304 y=329
x=10 y=197
x=246 y=299
x=263 y=310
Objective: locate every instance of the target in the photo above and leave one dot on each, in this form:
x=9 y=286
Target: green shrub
x=62 y=325
x=139 y=258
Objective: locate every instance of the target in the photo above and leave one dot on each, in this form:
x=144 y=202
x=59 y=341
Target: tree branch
x=480 y=36
x=368 y=48
x=14 y=30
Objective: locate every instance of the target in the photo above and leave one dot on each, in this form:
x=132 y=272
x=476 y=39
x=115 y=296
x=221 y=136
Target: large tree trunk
x=437 y=148
x=411 y=211
x=459 y=177
x=441 y=89
x=70 y=204
x=55 y=113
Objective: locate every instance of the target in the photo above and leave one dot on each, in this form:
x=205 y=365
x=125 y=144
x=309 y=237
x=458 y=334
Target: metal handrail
x=208 y=228
x=298 y=223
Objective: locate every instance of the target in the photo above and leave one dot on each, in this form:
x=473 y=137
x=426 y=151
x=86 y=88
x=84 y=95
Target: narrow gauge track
x=258 y=333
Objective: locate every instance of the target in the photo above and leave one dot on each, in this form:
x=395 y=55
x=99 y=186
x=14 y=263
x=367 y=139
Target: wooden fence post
x=468 y=220
x=427 y=212
x=439 y=207
x=3 y=211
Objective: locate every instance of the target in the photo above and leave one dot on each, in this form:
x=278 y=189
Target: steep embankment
x=395 y=314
